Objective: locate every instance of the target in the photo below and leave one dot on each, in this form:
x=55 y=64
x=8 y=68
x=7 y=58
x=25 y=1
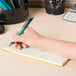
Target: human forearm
x=63 y=48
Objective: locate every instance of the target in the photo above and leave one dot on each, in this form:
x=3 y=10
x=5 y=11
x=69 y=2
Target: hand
x=28 y=38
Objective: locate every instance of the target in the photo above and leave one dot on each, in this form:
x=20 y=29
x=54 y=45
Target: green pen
x=23 y=28
x=11 y=3
x=6 y=5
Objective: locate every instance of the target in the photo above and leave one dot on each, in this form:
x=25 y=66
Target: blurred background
x=40 y=3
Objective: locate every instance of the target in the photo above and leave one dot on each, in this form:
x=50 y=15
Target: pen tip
x=11 y=44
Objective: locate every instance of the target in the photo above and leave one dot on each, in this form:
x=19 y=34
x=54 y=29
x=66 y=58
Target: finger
x=15 y=45
x=22 y=33
x=16 y=32
x=17 y=38
x=24 y=45
x=19 y=46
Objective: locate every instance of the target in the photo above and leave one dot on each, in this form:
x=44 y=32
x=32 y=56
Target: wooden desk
x=47 y=25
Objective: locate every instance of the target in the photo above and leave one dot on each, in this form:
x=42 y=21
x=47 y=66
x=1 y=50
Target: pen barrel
x=25 y=26
x=21 y=31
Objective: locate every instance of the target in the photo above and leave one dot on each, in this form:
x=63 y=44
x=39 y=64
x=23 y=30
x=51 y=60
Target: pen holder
x=16 y=15
x=55 y=7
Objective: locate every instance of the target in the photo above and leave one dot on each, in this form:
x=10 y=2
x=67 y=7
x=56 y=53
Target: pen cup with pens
x=12 y=11
x=55 y=7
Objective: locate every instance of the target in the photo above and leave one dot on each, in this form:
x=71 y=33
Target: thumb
x=17 y=38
